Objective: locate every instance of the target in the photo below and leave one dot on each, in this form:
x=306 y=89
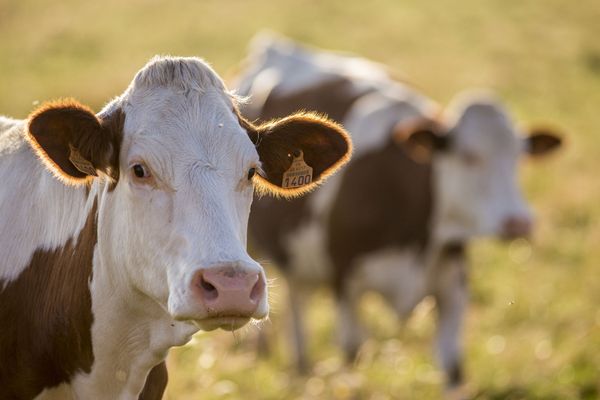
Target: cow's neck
x=131 y=334
x=128 y=342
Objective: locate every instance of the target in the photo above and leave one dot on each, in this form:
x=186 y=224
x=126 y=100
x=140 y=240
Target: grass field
x=533 y=328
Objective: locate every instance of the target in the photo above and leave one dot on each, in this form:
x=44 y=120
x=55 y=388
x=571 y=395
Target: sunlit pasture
x=533 y=326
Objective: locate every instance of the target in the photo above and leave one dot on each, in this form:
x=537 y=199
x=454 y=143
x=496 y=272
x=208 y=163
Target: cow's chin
x=230 y=323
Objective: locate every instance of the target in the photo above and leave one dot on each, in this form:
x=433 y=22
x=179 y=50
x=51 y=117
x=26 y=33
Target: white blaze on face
x=477 y=191
x=188 y=211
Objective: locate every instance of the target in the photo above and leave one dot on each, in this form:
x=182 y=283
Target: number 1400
x=297 y=181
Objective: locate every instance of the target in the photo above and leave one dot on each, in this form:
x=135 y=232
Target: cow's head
x=475 y=159
x=175 y=168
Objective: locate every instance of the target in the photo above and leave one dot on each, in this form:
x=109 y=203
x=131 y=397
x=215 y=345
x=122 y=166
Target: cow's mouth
x=227 y=323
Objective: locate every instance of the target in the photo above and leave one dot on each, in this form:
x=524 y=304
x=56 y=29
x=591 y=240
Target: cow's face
x=182 y=204
x=475 y=166
x=180 y=180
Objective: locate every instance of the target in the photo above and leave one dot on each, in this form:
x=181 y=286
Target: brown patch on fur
x=156 y=382
x=384 y=201
x=325 y=144
x=335 y=96
x=56 y=126
x=47 y=317
x=271 y=221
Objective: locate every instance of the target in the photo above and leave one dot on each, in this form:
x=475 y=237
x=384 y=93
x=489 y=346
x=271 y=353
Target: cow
x=124 y=232
x=421 y=184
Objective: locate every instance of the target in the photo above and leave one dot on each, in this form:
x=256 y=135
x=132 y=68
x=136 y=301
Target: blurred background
x=533 y=327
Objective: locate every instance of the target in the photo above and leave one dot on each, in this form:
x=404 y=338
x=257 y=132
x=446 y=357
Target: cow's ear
x=298 y=152
x=421 y=139
x=73 y=143
x=542 y=141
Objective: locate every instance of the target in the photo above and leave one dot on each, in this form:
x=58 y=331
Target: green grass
x=533 y=328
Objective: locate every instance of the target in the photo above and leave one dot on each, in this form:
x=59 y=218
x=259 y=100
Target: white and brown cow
x=398 y=219
x=123 y=233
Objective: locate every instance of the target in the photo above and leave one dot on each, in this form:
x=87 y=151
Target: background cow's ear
x=73 y=143
x=314 y=145
x=542 y=141
x=422 y=140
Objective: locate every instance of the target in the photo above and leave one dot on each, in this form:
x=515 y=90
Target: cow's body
x=140 y=242
x=388 y=223
x=47 y=339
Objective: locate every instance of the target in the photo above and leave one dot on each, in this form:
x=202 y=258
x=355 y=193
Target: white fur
x=7 y=123
x=275 y=61
x=260 y=87
x=399 y=275
x=32 y=211
x=306 y=67
x=130 y=335
x=451 y=294
x=308 y=254
x=151 y=239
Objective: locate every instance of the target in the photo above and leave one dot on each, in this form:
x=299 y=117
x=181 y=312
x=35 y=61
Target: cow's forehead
x=202 y=132
x=486 y=127
x=168 y=87
x=182 y=104
x=164 y=111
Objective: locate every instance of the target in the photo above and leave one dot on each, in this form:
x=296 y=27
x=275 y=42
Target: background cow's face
x=475 y=165
x=184 y=166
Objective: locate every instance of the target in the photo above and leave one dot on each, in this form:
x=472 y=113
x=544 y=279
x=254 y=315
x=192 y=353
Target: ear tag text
x=80 y=162
x=299 y=174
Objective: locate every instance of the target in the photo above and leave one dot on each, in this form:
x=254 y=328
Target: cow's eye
x=251 y=173
x=140 y=171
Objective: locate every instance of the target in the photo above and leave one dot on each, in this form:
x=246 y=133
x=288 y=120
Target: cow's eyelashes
x=140 y=171
x=251 y=173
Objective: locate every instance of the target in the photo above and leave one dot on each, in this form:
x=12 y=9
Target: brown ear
x=321 y=144
x=73 y=143
x=421 y=139
x=542 y=141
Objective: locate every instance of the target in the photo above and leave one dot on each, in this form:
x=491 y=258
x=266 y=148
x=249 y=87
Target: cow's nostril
x=516 y=226
x=210 y=292
x=258 y=289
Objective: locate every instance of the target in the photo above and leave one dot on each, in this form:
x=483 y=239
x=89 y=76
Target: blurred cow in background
x=418 y=188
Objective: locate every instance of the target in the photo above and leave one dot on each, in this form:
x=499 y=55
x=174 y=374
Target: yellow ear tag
x=299 y=174
x=80 y=162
